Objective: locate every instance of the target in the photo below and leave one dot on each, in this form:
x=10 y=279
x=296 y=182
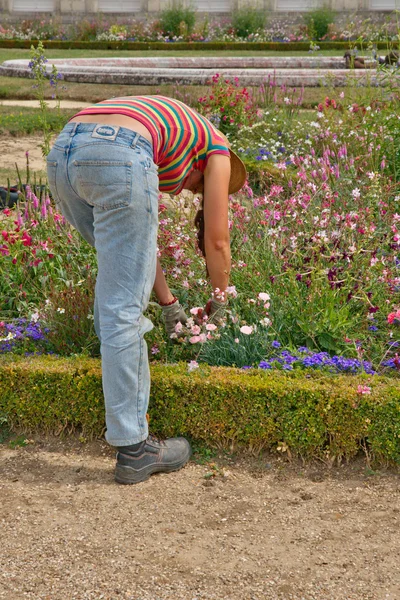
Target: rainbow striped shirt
x=182 y=139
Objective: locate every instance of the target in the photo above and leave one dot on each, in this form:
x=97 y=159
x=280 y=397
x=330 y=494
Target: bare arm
x=216 y=228
x=161 y=289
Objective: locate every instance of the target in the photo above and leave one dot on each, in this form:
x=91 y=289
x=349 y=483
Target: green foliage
x=86 y=30
x=318 y=22
x=177 y=20
x=247 y=20
x=200 y=46
x=4 y=428
x=17 y=122
x=312 y=415
x=68 y=315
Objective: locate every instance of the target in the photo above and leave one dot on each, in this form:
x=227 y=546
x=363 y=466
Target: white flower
x=356 y=193
x=10 y=336
x=246 y=329
x=192 y=366
x=265 y=322
x=264 y=296
x=61 y=310
x=35 y=317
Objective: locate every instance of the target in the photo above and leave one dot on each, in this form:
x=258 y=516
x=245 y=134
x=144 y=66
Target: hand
x=216 y=311
x=173 y=314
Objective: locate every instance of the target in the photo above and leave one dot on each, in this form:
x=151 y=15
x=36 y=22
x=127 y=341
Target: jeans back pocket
x=105 y=184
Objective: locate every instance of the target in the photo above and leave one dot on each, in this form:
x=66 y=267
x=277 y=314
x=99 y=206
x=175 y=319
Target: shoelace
x=156 y=439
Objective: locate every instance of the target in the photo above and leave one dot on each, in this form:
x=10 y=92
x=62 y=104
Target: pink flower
x=195 y=339
x=195 y=330
x=394 y=316
x=363 y=389
x=211 y=327
x=178 y=327
x=246 y=329
x=231 y=291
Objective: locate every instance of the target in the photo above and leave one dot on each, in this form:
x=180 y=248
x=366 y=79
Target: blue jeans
x=104 y=181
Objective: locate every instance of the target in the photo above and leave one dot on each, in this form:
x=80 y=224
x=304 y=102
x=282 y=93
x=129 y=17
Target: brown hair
x=199 y=224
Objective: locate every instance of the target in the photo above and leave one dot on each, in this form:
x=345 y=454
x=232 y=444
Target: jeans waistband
x=126 y=136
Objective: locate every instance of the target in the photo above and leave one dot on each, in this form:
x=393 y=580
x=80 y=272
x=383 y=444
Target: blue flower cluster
x=317 y=360
x=15 y=334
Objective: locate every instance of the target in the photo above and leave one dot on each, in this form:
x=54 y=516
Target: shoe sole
x=128 y=475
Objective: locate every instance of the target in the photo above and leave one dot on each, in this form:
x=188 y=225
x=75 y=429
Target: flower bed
x=293 y=28
x=315 y=244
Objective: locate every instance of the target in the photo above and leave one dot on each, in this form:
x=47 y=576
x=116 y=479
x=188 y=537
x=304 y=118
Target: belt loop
x=135 y=140
x=75 y=125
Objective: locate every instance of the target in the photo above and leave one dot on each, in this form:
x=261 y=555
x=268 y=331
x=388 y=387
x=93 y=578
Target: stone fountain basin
x=300 y=71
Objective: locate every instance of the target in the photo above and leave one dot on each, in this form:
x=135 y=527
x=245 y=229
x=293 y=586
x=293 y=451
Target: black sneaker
x=136 y=463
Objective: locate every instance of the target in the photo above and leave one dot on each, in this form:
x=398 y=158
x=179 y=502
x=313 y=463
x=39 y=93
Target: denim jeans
x=104 y=181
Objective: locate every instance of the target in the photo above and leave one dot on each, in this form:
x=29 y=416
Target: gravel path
x=239 y=530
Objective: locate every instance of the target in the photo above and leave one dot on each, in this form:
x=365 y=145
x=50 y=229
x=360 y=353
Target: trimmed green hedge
x=312 y=414
x=202 y=46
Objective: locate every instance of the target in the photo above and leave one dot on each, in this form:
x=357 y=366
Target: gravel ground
x=237 y=529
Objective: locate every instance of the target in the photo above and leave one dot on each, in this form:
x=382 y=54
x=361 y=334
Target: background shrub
x=177 y=20
x=318 y=22
x=248 y=19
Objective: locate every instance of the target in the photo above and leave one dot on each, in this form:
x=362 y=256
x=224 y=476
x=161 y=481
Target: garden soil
x=13 y=151
x=232 y=529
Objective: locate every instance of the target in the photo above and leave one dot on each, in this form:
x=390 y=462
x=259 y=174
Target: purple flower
x=264 y=365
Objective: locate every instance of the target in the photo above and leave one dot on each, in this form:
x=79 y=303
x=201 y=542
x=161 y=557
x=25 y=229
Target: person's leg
x=115 y=180
x=109 y=192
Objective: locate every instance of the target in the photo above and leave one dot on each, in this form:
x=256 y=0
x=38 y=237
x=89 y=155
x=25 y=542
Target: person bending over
x=105 y=171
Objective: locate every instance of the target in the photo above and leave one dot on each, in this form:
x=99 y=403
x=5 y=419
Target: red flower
x=26 y=239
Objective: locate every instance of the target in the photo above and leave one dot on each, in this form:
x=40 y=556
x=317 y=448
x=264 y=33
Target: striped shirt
x=182 y=139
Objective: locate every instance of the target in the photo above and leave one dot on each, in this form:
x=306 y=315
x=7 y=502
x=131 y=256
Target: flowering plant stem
x=38 y=68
